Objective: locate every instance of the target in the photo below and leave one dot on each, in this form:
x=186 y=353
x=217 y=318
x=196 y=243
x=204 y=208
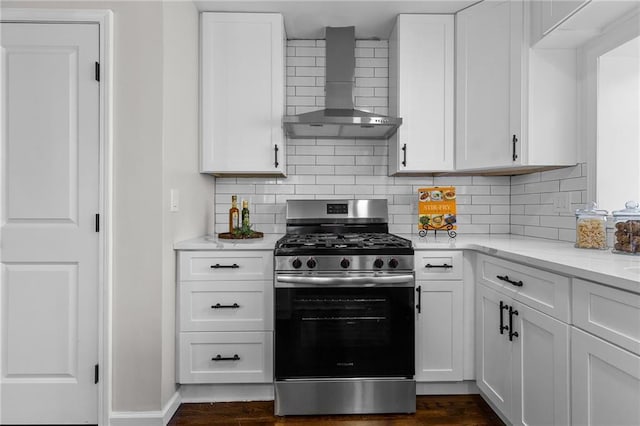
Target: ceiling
x=306 y=19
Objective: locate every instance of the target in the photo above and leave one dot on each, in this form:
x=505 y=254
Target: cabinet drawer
x=225 y=265
x=226 y=306
x=245 y=357
x=609 y=313
x=438 y=265
x=541 y=290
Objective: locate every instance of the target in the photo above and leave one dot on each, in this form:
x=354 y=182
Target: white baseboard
x=447 y=388
x=227 y=392
x=147 y=418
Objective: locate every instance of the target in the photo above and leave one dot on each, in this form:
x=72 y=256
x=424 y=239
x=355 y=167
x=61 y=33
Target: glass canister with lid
x=627 y=229
x=591 y=231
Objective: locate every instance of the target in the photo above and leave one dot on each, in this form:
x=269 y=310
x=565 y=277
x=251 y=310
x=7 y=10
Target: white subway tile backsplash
x=301 y=61
x=314 y=189
x=315 y=170
x=541 y=232
x=342 y=160
x=357 y=190
x=371 y=82
x=364 y=52
x=381 y=52
x=574 y=184
x=310 y=51
x=538 y=187
x=315 y=150
x=354 y=170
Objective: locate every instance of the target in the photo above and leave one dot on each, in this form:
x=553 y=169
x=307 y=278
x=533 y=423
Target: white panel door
x=605 y=382
x=540 y=368
x=50 y=197
x=493 y=349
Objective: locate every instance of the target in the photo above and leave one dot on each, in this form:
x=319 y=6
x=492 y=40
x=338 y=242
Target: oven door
x=353 y=327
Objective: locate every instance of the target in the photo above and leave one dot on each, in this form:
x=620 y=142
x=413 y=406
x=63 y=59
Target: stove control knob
x=345 y=263
x=393 y=263
x=378 y=263
x=297 y=263
x=311 y=263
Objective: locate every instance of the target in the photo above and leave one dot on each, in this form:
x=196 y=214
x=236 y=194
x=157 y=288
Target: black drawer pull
x=219 y=306
x=506 y=278
x=445 y=266
x=224 y=358
x=218 y=266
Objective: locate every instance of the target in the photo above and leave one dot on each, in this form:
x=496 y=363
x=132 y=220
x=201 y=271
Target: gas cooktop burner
x=340 y=243
x=330 y=240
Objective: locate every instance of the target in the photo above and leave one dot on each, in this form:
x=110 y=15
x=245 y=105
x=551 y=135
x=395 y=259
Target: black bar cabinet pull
x=223 y=358
x=514 y=156
x=512 y=333
x=275 y=149
x=503 y=327
x=219 y=306
x=445 y=266
x=218 y=266
x=404 y=155
x=506 y=278
x=419 y=305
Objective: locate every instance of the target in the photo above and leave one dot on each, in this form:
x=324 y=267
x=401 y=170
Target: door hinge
x=97 y=222
x=96 y=372
x=97 y=71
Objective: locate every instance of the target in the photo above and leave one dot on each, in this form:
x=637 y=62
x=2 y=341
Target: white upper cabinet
x=516 y=107
x=242 y=94
x=421 y=78
x=489 y=41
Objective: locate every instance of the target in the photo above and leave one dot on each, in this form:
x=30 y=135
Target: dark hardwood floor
x=431 y=410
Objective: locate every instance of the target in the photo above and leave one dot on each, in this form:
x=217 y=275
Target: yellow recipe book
x=437 y=208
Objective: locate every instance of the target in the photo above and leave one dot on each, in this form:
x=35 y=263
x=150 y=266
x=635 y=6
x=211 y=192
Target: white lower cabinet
x=440 y=316
x=225 y=317
x=605 y=382
x=522 y=360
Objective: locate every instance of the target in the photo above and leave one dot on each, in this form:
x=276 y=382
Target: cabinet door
x=493 y=349
x=489 y=38
x=540 y=368
x=242 y=98
x=439 y=331
x=605 y=382
x=421 y=93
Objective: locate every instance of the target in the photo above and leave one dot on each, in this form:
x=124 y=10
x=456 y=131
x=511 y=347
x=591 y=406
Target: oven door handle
x=405 y=280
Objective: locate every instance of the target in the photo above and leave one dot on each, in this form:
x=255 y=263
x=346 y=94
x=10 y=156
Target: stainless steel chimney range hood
x=340 y=120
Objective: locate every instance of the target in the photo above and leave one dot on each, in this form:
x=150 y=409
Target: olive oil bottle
x=246 y=223
x=234 y=214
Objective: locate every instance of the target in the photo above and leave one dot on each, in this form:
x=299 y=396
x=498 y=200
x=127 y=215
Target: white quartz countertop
x=618 y=270
x=602 y=266
x=214 y=243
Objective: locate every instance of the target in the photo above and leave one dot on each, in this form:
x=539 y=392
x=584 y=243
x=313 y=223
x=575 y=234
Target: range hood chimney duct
x=340 y=119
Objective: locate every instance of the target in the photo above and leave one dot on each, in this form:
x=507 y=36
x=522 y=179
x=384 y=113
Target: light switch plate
x=174 y=196
x=562 y=202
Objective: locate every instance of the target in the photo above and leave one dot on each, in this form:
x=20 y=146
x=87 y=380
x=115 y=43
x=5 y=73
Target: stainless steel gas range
x=344 y=311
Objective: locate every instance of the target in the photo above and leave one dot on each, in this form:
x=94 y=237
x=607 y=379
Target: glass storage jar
x=591 y=230
x=626 y=239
